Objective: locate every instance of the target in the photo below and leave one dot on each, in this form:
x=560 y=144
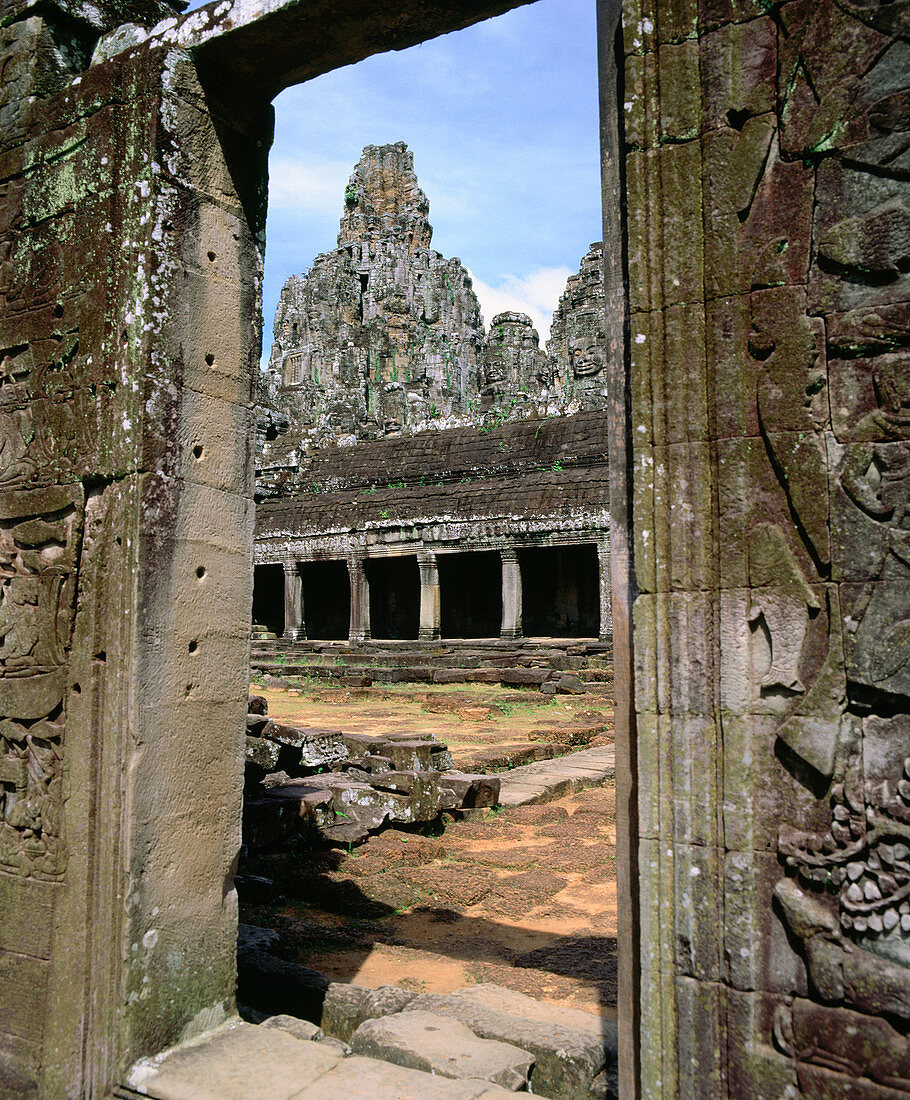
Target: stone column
x=511 y=595
x=430 y=628
x=606 y=594
x=294 y=623
x=359 y=629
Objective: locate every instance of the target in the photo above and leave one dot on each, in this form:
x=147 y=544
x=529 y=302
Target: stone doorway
x=268 y=597
x=326 y=591
x=470 y=588
x=560 y=591
x=394 y=597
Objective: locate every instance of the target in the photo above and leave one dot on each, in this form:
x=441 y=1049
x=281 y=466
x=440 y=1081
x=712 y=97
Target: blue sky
x=502 y=121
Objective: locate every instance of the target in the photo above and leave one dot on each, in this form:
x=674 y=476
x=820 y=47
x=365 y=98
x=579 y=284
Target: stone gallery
x=755 y=265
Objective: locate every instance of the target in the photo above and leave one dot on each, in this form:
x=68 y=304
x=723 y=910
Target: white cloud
x=295 y=185
x=536 y=294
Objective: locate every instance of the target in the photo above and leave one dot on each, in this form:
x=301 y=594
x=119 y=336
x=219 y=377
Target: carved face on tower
x=585 y=343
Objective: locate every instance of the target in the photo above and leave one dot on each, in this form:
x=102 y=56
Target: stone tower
x=516 y=371
x=578 y=341
x=383 y=334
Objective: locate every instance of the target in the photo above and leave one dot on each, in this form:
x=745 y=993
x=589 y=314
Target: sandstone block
x=444 y=1046
x=346 y=1007
x=568 y=1058
x=356 y=1077
x=232 y=1063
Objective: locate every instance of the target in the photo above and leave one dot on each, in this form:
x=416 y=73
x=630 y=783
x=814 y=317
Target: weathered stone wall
x=767 y=237
x=123 y=605
x=519 y=449
x=129 y=284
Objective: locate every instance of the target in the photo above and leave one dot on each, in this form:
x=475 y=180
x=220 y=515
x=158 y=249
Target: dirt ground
x=487 y=727
x=523 y=897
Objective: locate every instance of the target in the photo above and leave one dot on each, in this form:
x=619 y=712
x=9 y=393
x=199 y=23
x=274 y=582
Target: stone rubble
x=345 y=786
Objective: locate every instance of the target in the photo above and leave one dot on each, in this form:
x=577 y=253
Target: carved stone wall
x=767 y=164
x=132 y=178
x=517 y=374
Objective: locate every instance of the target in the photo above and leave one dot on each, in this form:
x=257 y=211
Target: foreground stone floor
x=242 y=1061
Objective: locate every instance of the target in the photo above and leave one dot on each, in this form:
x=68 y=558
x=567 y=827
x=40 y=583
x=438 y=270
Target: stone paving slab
x=232 y=1063
x=567 y=1060
x=544 y=780
x=240 y=1061
x=357 y=1077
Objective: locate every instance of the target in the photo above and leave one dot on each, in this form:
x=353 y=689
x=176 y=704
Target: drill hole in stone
x=211 y=256
x=193 y=646
x=197 y=451
x=210 y=359
x=200 y=571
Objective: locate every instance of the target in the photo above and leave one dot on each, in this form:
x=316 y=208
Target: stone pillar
x=359 y=630
x=606 y=602
x=430 y=607
x=511 y=595
x=294 y=622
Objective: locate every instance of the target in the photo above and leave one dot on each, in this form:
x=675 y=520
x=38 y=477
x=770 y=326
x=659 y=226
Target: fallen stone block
x=262 y=754
x=568 y=1059
x=251 y=937
x=472 y=791
x=534 y=676
x=255 y=724
x=570 y=685
x=300 y=1029
x=231 y=1063
x=306 y=748
x=444 y=1046
x=363 y=744
x=520 y=1004
x=449 y=676
x=258 y=704
x=346 y=1007
x=411 y=755
x=367 y=767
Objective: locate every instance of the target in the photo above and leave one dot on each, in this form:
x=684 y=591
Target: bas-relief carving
x=40 y=531
x=48 y=413
x=829 y=604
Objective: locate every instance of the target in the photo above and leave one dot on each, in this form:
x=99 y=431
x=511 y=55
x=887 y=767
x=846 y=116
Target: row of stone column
x=430 y=601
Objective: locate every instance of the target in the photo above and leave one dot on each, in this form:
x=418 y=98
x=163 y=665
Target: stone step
x=240 y=1061
x=444 y=1046
x=563 y=680
x=544 y=780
